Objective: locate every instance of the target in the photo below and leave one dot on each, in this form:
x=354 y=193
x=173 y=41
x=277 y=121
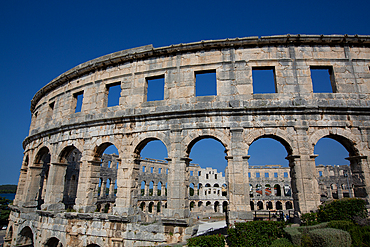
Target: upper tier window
x=205 y=83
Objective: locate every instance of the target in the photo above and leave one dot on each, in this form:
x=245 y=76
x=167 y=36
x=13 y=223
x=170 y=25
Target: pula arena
x=58 y=192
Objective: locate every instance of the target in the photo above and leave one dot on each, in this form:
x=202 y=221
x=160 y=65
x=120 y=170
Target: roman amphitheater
x=71 y=193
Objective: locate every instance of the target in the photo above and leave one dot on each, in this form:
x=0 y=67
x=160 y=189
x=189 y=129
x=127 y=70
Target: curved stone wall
x=294 y=114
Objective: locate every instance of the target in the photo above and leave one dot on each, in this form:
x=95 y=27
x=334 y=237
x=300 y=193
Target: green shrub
x=309 y=219
x=298 y=234
x=330 y=237
x=255 y=233
x=305 y=229
x=360 y=235
x=343 y=209
x=294 y=235
x=306 y=241
x=207 y=241
x=281 y=242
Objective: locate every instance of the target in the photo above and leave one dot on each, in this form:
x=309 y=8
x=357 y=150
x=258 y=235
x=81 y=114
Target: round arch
x=344 y=137
x=141 y=140
x=195 y=138
x=53 y=242
x=42 y=155
x=288 y=144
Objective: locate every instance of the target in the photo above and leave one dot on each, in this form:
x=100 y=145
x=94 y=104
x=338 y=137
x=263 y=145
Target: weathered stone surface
x=62 y=158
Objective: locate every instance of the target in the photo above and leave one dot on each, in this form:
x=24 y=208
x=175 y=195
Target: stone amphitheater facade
x=62 y=154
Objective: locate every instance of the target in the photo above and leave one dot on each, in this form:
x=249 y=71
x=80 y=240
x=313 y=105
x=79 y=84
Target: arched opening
x=338 y=162
x=142 y=206
x=269 y=205
x=70 y=156
x=287 y=190
x=192 y=205
x=265 y=171
x=25 y=237
x=259 y=205
x=252 y=205
x=151 y=160
x=288 y=205
x=53 y=242
x=108 y=157
x=142 y=188
x=279 y=205
x=208 y=157
x=224 y=207
x=42 y=160
x=159 y=188
x=150 y=207
x=259 y=190
x=191 y=189
x=215 y=206
x=268 y=190
x=224 y=190
x=200 y=203
x=277 y=190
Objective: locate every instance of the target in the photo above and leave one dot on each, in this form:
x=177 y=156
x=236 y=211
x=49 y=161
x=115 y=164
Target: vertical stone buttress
x=33 y=185
x=128 y=186
x=88 y=183
x=306 y=194
x=178 y=180
x=239 y=201
x=21 y=193
x=55 y=187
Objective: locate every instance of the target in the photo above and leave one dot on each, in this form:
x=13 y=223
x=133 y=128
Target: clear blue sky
x=42 y=39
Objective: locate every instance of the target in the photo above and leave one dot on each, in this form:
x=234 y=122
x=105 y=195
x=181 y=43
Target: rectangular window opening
x=266 y=175
x=263 y=80
x=257 y=174
x=155 y=88
x=275 y=175
x=320 y=173
x=191 y=173
x=159 y=170
x=79 y=99
x=114 y=93
x=285 y=174
x=322 y=79
x=249 y=174
x=205 y=83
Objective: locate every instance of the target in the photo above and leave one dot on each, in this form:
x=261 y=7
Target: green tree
x=4 y=211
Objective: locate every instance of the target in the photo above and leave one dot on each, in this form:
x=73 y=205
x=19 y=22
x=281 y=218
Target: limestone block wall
x=294 y=114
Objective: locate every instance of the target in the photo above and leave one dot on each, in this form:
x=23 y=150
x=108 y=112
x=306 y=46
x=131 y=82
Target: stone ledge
x=174 y=222
x=115 y=218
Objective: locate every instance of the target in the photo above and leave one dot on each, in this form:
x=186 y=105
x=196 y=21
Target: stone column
x=177 y=200
x=55 y=187
x=177 y=179
x=303 y=173
x=146 y=191
x=88 y=183
x=128 y=188
x=20 y=195
x=360 y=176
x=103 y=187
x=330 y=195
x=340 y=192
x=33 y=186
x=239 y=201
x=111 y=188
